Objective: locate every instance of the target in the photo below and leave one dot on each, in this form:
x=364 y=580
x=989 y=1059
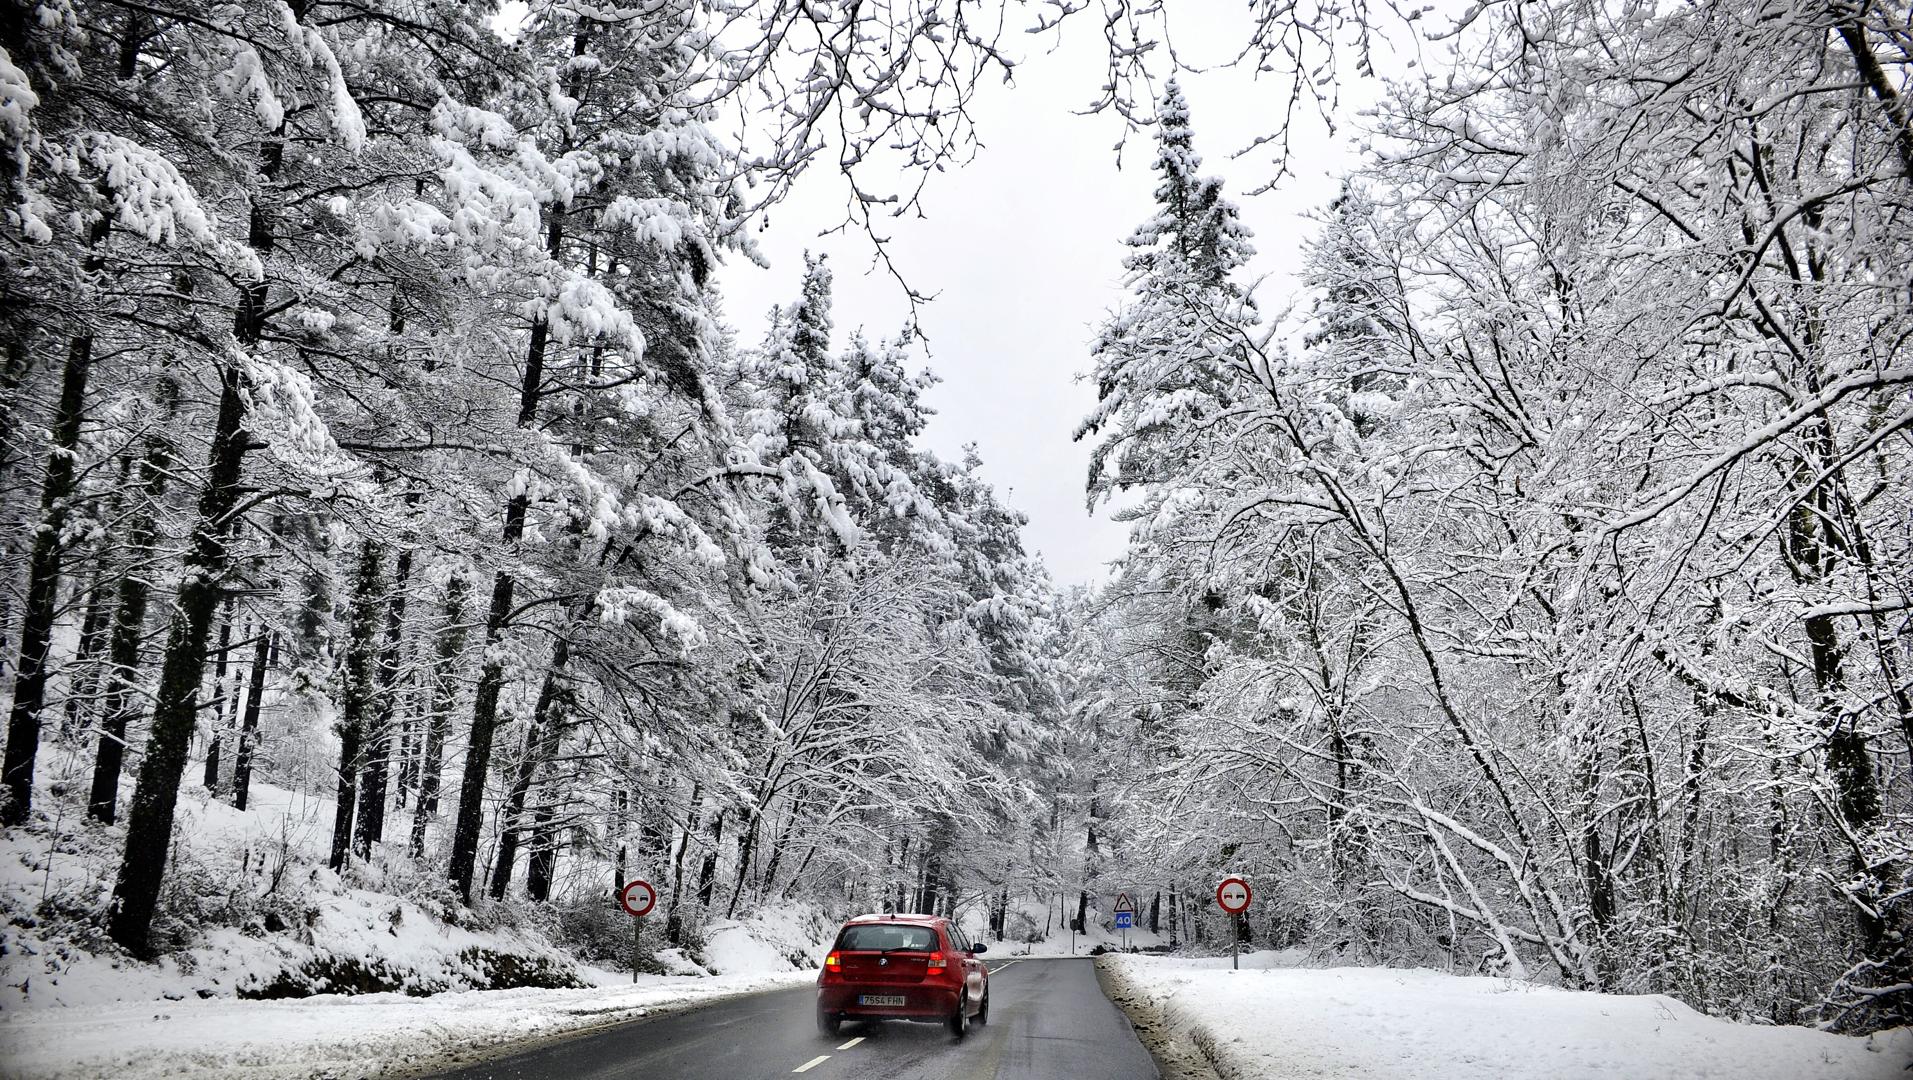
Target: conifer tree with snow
x=1156 y=359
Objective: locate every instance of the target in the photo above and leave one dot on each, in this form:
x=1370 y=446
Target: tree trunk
x=370 y=828
x=777 y=851
x=544 y=858
x=12 y=373
x=149 y=826
x=129 y=627
x=262 y=656
x=155 y=795
x=541 y=743
x=451 y=644
x=85 y=679
x=707 y=877
x=355 y=703
x=220 y=664
x=746 y=850
x=43 y=576
x=674 y=921
x=491 y=679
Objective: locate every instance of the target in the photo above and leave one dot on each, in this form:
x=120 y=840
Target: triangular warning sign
x=1123 y=904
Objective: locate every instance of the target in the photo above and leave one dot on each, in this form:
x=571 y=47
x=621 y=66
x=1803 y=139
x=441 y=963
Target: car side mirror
x=978 y=946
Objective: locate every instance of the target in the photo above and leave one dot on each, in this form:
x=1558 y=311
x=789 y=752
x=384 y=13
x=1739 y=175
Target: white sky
x=1022 y=249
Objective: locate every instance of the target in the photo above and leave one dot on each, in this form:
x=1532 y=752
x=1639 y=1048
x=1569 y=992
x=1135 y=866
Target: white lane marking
x=851 y=1043
x=1004 y=964
x=812 y=1063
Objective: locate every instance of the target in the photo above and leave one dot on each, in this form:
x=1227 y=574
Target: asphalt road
x=1048 y=1021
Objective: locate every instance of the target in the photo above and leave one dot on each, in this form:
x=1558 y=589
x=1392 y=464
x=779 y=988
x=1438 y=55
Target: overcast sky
x=1023 y=250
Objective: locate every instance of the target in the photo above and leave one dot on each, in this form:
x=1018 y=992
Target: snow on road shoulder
x=1335 y=1023
x=331 y=1035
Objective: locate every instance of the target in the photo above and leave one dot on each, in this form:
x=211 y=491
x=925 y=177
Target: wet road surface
x=1049 y=1020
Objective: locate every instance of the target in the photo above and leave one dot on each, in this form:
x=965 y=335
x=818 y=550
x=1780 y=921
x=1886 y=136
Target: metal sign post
x=1125 y=916
x=1232 y=896
x=638 y=898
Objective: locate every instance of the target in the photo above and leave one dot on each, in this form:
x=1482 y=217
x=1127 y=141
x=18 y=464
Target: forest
x=1525 y=589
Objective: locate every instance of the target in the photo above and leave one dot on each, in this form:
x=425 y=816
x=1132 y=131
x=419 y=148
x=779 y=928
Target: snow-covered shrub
x=596 y=930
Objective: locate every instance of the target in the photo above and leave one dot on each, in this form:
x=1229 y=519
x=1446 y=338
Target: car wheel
x=829 y=1023
x=960 y=1019
x=983 y=1010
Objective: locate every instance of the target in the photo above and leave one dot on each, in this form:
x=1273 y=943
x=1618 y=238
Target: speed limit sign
x=1232 y=895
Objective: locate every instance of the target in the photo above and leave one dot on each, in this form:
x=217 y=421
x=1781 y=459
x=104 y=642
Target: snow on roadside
x=793 y=935
x=1335 y=1023
x=331 y=1035
x=268 y=918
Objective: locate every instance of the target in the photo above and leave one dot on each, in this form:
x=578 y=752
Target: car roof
x=898 y=917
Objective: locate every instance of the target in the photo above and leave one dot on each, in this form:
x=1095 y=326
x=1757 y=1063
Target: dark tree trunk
x=220 y=664
x=707 y=876
x=491 y=679
x=12 y=372
x=43 y=578
x=777 y=851
x=356 y=697
x=451 y=644
x=263 y=651
x=85 y=677
x=1155 y=913
x=746 y=850
x=544 y=858
x=129 y=627
x=371 y=824
x=149 y=825
x=541 y=744
x=156 y=793
x=674 y=921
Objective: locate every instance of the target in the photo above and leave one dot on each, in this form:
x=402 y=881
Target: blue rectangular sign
x=1124 y=920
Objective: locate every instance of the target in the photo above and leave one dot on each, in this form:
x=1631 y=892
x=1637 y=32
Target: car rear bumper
x=920 y=1002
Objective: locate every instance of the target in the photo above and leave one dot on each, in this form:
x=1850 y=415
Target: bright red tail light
x=937 y=961
x=834 y=962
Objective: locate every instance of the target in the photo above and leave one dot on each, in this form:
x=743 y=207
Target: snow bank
x=793 y=937
x=330 y=1035
x=268 y=919
x=1329 y=1024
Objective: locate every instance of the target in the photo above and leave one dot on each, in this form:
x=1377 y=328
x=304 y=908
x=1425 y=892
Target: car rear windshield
x=883 y=937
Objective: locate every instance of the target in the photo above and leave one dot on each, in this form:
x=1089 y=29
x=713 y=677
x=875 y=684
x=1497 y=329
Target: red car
x=903 y=967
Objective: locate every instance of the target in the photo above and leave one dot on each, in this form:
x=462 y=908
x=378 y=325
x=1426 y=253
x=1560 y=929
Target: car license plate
x=881 y=999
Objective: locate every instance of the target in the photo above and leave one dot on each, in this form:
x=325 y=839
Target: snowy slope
x=271 y=920
x=1349 y=1023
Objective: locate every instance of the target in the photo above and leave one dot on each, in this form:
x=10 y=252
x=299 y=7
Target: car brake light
x=937 y=961
x=834 y=962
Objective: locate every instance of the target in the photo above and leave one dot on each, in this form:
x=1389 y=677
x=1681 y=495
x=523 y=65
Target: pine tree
x=1158 y=370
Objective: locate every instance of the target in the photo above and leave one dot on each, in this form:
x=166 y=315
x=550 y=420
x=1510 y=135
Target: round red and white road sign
x=1232 y=895
x=639 y=898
